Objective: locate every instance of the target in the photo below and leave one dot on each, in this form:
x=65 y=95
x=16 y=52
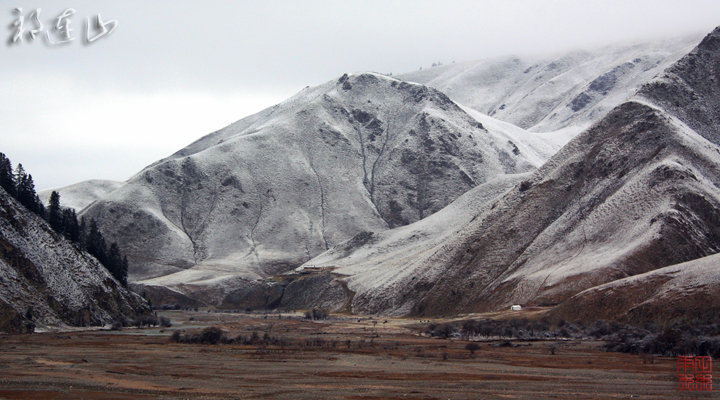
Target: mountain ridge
x=551 y=93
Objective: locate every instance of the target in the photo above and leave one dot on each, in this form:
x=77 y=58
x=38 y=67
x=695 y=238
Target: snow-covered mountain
x=361 y=153
x=565 y=92
x=81 y=194
x=638 y=191
x=46 y=282
x=396 y=199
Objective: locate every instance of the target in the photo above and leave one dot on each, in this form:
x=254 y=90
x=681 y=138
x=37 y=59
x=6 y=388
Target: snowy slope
x=44 y=273
x=411 y=239
x=537 y=147
x=375 y=263
x=361 y=153
x=638 y=191
x=551 y=93
x=80 y=194
x=684 y=291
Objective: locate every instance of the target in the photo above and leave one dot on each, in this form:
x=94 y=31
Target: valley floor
x=344 y=357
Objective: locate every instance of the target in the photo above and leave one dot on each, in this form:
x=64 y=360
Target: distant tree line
x=64 y=221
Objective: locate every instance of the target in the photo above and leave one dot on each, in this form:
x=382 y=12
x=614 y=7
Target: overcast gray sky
x=174 y=71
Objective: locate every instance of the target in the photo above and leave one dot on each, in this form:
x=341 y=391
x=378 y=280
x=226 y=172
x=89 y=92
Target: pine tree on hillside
x=70 y=225
x=96 y=243
x=21 y=186
x=39 y=207
x=7 y=181
x=54 y=213
x=124 y=271
x=20 y=175
x=83 y=234
x=25 y=191
x=115 y=261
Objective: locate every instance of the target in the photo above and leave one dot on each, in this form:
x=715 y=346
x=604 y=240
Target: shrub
x=211 y=335
x=472 y=347
x=316 y=313
x=443 y=331
x=145 y=320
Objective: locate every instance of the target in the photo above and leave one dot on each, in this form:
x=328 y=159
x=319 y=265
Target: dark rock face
x=11 y=321
x=606 y=82
x=316 y=290
x=579 y=102
x=600 y=87
x=45 y=281
x=162 y=297
x=254 y=296
x=291 y=292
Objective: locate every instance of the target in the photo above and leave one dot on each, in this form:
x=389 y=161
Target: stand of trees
x=20 y=185
x=64 y=221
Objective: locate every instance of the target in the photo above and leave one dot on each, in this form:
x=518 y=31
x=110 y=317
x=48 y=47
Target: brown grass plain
x=344 y=357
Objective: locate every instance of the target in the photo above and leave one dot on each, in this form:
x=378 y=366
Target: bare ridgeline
x=587 y=195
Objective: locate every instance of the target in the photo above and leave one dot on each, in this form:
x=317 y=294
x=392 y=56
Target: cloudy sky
x=174 y=71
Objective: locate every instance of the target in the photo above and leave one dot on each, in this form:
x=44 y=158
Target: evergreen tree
x=96 y=243
x=25 y=191
x=7 y=181
x=70 y=225
x=115 y=261
x=20 y=175
x=124 y=271
x=83 y=234
x=21 y=185
x=39 y=207
x=54 y=213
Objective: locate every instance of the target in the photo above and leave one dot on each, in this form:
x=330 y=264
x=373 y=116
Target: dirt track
x=356 y=359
